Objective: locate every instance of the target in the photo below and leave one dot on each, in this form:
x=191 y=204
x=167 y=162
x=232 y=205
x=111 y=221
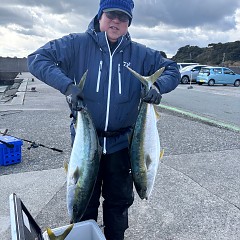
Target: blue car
x=218 y=75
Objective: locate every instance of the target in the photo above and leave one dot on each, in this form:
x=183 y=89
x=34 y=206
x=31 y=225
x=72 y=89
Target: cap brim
x=116 y=9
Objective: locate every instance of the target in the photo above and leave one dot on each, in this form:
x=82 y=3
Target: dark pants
x=116 y=184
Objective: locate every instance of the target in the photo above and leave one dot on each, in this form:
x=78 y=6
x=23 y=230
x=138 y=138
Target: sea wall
x=8 y=64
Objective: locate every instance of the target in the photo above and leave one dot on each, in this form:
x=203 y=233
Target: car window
x=204 y=70
x=197 y=68
x=217 y=70
x=184 y=65
x=228 y=71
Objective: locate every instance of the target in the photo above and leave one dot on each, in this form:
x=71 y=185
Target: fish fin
x=161 y=153
x=156 y=112
x=51 y=235
x=62 y=236
x=75 y=125
x=100 y=150
x=76 y=175
x=148 y=161
x=65 y=165
x=130 y=137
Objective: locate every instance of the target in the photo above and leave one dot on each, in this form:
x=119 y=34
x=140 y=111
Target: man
x=111 y=95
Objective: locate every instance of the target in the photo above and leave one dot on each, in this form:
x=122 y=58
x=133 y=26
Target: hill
x=227 y=54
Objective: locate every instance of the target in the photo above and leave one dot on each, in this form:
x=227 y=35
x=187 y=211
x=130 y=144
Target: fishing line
x=33 y=144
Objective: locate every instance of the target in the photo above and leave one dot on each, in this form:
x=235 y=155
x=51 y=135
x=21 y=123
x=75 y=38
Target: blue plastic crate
x=8 y=155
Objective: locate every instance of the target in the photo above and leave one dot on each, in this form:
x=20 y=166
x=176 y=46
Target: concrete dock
x=197 y=189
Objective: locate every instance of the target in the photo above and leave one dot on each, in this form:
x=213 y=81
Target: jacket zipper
x=99 y=75
x=108 y=103
x=109 y=91
x=119 y=79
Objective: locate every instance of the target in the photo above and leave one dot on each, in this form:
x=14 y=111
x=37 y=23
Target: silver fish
x=84 y=163
x=145 y=144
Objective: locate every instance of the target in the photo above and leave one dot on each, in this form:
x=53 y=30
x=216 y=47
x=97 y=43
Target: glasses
x=122 y=17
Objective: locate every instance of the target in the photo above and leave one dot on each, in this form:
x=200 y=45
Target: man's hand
x=73 y=95
x=153 y=96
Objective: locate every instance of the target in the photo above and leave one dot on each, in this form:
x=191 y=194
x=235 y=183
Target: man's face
x=115 y=24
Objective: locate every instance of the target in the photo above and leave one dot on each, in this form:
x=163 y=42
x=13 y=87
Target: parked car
x=182 y=65
x=218 y=75
x=190 y=73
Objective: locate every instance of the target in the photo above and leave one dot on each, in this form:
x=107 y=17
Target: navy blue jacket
x=111 y=92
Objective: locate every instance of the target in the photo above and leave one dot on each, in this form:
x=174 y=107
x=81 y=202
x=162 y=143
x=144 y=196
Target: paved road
x=218 y=102
x=197 y=190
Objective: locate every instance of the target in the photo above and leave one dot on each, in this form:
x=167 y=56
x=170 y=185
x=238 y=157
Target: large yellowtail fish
x=145 y=144
x=84 y=163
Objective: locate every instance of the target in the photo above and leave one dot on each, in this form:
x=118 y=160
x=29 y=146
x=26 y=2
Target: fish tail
x=138 y=76
x=149 y=80
x=50 y=233
x=52 y=236
x=153 y=78
x=81 y=84
x=82 y=81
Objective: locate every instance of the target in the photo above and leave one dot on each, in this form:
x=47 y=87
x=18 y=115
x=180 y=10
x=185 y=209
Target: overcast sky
x=165 y=25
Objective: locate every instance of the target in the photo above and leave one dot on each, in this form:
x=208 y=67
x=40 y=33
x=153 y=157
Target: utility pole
x=223 y=60
x=190 y=86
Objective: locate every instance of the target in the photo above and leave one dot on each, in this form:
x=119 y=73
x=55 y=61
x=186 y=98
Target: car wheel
x=185 y=80
x=237 y=83
x=211 y=82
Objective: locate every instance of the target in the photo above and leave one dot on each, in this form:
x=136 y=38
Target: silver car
x=182 y=65
x=190 y=73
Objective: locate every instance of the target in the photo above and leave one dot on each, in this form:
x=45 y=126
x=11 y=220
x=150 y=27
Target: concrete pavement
x=197 y=190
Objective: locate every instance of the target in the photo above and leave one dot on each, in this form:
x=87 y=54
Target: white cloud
x=26 y=25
